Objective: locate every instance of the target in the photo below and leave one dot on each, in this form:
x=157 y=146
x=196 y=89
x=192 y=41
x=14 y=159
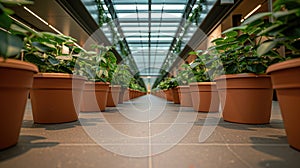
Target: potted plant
x=122 y=77
x=16 y=79
x=135 y=89
x=245 y=90
x=284 y=32
x=204 y=92
x=167 y=85
x=55 y=83
x=184 y=77
x=174 y=90
x=98 y=66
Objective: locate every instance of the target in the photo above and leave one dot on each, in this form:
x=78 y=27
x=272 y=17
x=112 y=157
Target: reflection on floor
x=149 y=132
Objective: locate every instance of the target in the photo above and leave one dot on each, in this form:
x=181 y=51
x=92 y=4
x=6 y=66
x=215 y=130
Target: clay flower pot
x=286 y=81
x=176 y=95
x=55 y=97
x=131 y=94
x=121 y=95
x=169 y=94
x=245 y=98
x=126 y=95
x=185 y=96
x=94 y=97
x=16 y=80
x=205 y=96
x=113 y=95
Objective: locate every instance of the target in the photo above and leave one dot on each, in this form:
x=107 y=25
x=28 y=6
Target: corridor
x=149 y=132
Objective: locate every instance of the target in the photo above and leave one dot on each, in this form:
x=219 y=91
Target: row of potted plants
x=55 y=71
x=252 y=67
x=268 y=68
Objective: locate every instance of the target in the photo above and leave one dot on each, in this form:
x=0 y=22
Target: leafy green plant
x=122 y=76
x=102 y=17
x=283 y=31
x=135 y=86
x=238 y=50
x=98 y=65
x=206 y=66
x=46 y=50
x=168 y=83
x=185 y=75
x=196 y=13
x=11 y=34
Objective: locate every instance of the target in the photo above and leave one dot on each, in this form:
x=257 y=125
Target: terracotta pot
x=16 y=80
x=185 y=96
x=205 y=96
x=245 y=98
x=113 y=95
x=131 y=94
x=55 y=97
x=286 y=81
x=121 y=95
x=175 y=95
x=169 y=94
x=126 y=95
x=94 y=97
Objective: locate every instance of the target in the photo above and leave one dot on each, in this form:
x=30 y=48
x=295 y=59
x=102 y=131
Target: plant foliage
x=98 y=65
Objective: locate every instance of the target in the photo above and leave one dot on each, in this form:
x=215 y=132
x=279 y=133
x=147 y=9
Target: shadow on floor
x=212 y=121
x=61 y=126
x=25 y=144
x=287 y=156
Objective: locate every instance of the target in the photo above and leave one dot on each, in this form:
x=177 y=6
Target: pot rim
x=184 y=86
x=18 y=64
x=115 y=86
x=202 y=83
x=241 y=75
x=96 y=83
x=292 y=63
x=58 y=76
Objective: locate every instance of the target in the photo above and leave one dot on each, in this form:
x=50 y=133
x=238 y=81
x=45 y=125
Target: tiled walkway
x=149 y=132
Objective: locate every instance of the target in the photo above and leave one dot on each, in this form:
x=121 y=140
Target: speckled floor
x=149 y=132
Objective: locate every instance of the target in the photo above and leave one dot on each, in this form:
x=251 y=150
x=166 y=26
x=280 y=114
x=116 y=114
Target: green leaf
x=285 y=13
x=230 y=39
x=34 y=59
x=17 y=28
x=243 y=38
x=234 y=29
x=53 y=61
x=231 y=34
x=5 y=20
x=193 y=53
x=10 y=45
x=256 y=17
x=105 y=72
x=100 y=73
x=267 y=30
x=216 y=40
x=58 y=38
x=266 y=47
x=41 y=47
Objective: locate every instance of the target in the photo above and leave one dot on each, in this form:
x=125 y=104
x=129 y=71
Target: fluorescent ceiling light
x=35 y=15
x=46 y=23
x=250 y=13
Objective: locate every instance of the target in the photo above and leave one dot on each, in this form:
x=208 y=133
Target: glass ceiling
x=153 y=32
